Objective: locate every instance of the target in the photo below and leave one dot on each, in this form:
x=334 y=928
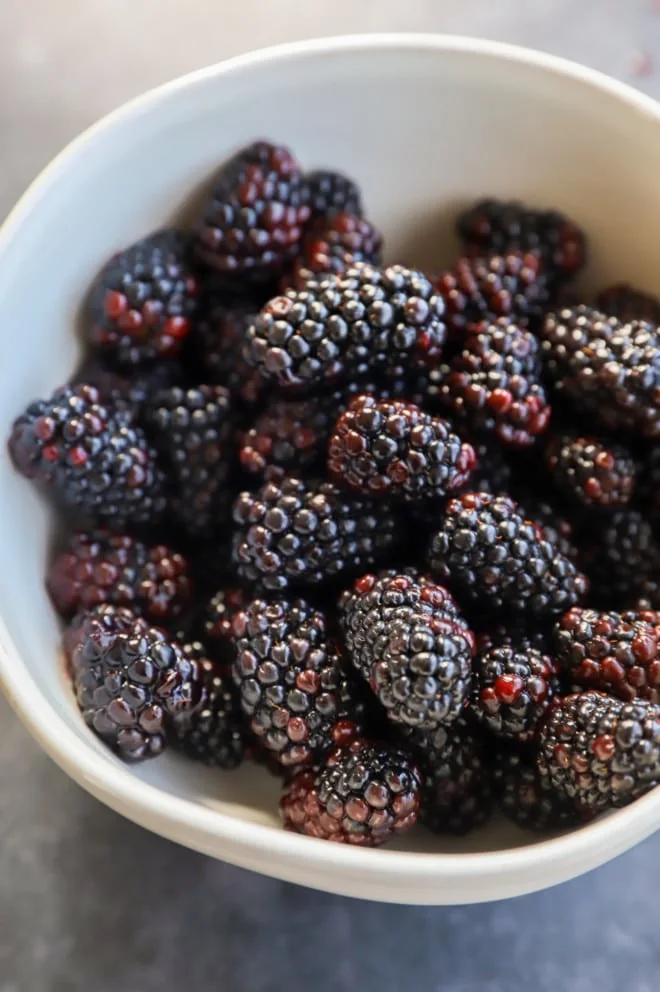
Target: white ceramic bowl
x=425 y=123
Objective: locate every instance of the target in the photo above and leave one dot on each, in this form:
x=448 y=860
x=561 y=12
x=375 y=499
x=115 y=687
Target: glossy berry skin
x=362 y=794
x=526 y=797
x=331 y=246
x=626 y=303
x=330 y=193
x=514 y=687
x=592 y=472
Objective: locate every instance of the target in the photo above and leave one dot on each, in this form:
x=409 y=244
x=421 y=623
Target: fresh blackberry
x=131 y=685
x=144 y=301
x=591 y=471
x=90 y=457
x=330 y=193
x=362 y=794
x=367 y=319
x=494 y=556
x=290 y=679
x=626 y=303
x=498 y=226
x=290 y=433
x=618 y=653
x=99 y=619
x=290 y=532
x=254 y=218
x=100 y=567
x=193 y=429
x=569 y=331
x=133 y=386
x=494 y=384
x=527 y=798
x=514 y=686
x=218 y=341
x=332 y=246
x=599 y=751
x=622 y=557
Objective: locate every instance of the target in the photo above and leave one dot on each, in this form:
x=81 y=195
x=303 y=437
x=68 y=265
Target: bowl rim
x=112 y=781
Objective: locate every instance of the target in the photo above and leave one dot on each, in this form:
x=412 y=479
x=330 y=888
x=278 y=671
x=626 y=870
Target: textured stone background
x=91 y=903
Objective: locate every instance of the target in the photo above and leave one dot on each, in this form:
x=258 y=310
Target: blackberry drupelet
x=90 y=457
x=514 y=686
x=621 y=559
x=493 y=555
x=527 y=798
x=330 y=193
x=144 y=302
x=626 y=303
x=217 y=342
x=362 y=794
x=591 y=471
x=331 y=247
x=599 y=751
x=254 y=218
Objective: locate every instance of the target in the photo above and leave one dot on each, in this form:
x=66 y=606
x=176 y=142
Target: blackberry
x=622 y=557
x=254 y=218
x=362 y=794
x=131 y=685
x=90 y=457
x=514 y=686
x=290 y=433
x=568 y=331
x=367 y=319
x=100 y=567
x=218 y=341
x=494 y=384
x=498 y=226
x=591 y=471
x=331 y=193
x=489 y=551
x=618 y=653
x=332 y=246
x=290 y=679
x=290 y=532
x=626 y=303
x=217 y=619
x=527 y=798
x=100 y=619
x=599 y=751
x=144 y=301
x=193 y=429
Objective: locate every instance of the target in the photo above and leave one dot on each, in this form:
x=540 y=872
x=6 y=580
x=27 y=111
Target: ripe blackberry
x=622 y=557
x=330 y=193
x=618 y=653
x=290 y=532
x=218 y=341
x=367 y=319
x=131 y=685
x=591 y=471
x=100 y=619
x=217 y=619
x=90 y=457
x=514 y=686
x=484 y=289
x=362 y=794
x=192 y=428
x=527 y=798
x=144 y=301
x=498 y=226
x=255 y=215
x=290 y=679
x=101 y=567
x=626 y=303
x=494 y=384
x=599 y=751
x=332 y=246
x=290 y=433
x=492 y=554
x=568 y=331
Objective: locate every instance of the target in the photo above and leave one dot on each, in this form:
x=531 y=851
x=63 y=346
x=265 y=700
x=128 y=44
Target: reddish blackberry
x=101 y=567
x=368 y=319
x=514 y=686
x=591 y=471
x=143 y=303
x=193 y=429
x=485 y=289
x=496 y=557
x=290 y=679
x=527 y=798
x=131 y=685
x=618 y=653
x=255 y=215
x=494 y=384
x=498 y=226
x=217 y=619
x=291 y=532
x=599 y=751
x=392 y=448
x=290 y=433
x=626 y=303
x=90 y=457
x=332 y=246
x=622 y=558
x=330 y=193
x=105 y=618
x=218 y=341
x=362 y=794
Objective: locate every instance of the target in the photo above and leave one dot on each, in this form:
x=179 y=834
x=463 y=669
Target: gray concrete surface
x=90 y=903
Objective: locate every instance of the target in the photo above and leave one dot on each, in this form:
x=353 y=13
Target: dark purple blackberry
x=134 y=386
x=498 y=226
x=192 y=428
x=131 y=685
x=494 y=384
x=90 y=457
x=218 y=340
x=292 y=532
x=392 y=448
x=290 y=679
x=599 y=751
x=626 y=303
x=386 y=320
x=254 y=218
x=362 y=794
x=591 y=471
x=622 y=557
x=568 y=331
x=217 y=619
x=493 y=555
x=144 y=301
x=99 y=619
x=101 y=567
x=331 y=247
x=527 y=798
x=618 y=653
x=514 y=686
x=330 y=193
